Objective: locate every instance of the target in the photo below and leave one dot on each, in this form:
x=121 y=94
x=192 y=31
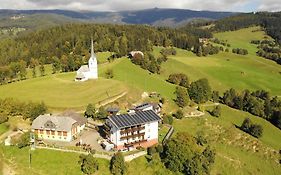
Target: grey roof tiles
x=138 y=118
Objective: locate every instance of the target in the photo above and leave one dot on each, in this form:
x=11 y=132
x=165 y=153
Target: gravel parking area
x=89 y=137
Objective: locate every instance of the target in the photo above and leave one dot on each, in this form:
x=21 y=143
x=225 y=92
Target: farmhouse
x=132 y=54
x=89 y=71
x=133 y=130
x=147 y=106
x=58 y=127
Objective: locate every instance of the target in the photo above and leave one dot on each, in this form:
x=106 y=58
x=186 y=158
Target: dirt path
x=111 y=99
x=213 y=104
x=8 y=170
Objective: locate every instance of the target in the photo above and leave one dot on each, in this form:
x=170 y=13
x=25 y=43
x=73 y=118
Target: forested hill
x=156 y=16
x=73 y=40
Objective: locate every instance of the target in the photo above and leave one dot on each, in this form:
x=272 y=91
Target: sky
x=117 y=5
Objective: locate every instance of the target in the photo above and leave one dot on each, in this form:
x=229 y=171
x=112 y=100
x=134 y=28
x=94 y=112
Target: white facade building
x=133 y=130
x=89 y=71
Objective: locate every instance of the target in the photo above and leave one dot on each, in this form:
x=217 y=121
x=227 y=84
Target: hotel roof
x=138 y=118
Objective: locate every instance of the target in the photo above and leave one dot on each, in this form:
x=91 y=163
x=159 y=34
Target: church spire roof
x=92 y=48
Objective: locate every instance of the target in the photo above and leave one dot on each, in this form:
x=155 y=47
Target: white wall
x=151 y=131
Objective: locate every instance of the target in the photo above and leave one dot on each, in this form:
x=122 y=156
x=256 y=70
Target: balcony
x=132 y=129
x=135 y=142
x=132 y=136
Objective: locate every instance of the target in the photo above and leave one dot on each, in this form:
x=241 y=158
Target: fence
x=168 y=135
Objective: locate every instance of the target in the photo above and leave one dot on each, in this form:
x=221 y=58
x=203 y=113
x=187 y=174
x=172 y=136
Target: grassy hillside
x=60 y=91
x=236 y=151
x=55 y=163
x=226 y=70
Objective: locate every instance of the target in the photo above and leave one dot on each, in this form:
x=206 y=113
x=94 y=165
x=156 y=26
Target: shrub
x=182 y=97
x=179 y=114
x=253 y=129
x=216 y=111
x=89 y=164
x=168 y=119
x=109 y=74
x=151 y=150
x=23 y=141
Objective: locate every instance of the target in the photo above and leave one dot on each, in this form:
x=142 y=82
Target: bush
x=200 y=138
x=182 y=97
x=168 y=51
x=179 y=79
x=240 y=51
x=89 y=164
x=179 y=114
x=24 y=140
x=253 y=129
x=90 y=111
x=109 y=74
x=216 y=111
x=159 y=148
x=256 y=130
x=151 y=150
x=168 y=119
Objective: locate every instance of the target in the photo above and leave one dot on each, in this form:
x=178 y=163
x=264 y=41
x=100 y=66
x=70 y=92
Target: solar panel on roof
x=141 y=117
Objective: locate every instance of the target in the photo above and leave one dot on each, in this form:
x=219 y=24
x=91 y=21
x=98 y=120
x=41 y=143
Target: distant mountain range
x=155 y=16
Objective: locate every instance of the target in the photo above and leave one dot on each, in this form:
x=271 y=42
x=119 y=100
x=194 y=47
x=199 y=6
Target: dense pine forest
x=74 y=39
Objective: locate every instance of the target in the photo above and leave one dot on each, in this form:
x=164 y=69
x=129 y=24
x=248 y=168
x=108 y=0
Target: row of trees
x=269 y=50
x=240 y=51
x=179 y=79
x=198 y=91
x=149 y=62
x=258 y=103
x=12 y=107
x=17 y=71
x=208 y=49
x=221 y=42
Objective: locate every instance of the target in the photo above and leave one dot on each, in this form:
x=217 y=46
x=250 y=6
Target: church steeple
x=92 y=48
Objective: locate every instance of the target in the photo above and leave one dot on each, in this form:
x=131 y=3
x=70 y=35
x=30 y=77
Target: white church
x=89 y=71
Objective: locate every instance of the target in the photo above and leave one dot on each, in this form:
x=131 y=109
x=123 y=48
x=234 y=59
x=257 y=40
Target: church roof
x=83 y=68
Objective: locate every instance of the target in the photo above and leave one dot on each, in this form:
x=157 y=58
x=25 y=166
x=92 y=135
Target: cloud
x=117 y=5
x=270 y=5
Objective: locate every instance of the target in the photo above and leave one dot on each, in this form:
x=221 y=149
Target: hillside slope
x=227 y=70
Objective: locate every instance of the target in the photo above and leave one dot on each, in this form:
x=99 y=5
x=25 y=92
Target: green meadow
x=226 y=70
x=236 y=151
